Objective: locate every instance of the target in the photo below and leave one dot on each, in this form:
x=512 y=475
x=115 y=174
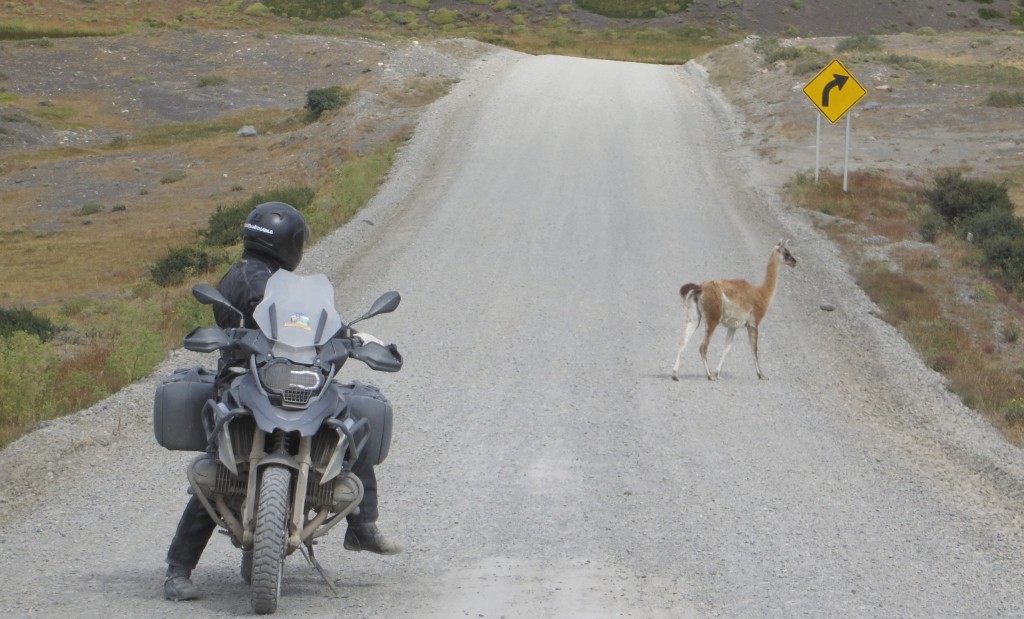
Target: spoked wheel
x=269 y=540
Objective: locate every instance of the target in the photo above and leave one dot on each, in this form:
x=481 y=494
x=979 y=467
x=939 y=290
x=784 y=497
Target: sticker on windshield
x=300 y=321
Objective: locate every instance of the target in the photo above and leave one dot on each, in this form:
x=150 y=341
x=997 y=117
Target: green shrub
x=27 y=370
x=189 y=314
x=89 y=208
x=902 y=61
x=443 y=16
x=212 y=80
x=172 y=177
x=321 y=100
x=225 y=224
x=810 y=61
x=1003 y=98
x=772 y=51
x=1015 y=411
x=180 y=264
x=137 y=347
x=1004 y=257
x=859 y=43
x=931 y=225
x=957 y=198
x=1010 y=333
x=20 y=319
x=993 y=223
x=986 y=13
x=985 y=293
x=313 y=10
x=404 y=18
x=257 y=9
x=629 y=9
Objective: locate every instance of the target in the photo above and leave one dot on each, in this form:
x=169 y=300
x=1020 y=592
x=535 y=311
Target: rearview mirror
x=208 y=295
x=384 y=304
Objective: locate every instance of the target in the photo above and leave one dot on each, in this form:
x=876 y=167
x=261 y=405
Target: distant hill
x=783 y=18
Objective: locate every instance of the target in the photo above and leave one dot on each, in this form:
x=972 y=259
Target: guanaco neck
x=771 y=276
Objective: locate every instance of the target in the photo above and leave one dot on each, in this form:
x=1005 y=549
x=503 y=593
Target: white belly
x=734 y=316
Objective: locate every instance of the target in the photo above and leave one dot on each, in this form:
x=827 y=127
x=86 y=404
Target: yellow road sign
x=834 y=91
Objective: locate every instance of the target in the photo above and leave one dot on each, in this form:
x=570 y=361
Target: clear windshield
x=297 y=313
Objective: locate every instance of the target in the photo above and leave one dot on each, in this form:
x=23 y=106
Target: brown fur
x=734 y=303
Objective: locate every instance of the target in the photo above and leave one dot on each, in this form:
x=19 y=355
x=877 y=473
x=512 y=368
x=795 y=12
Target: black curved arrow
x=838 y=82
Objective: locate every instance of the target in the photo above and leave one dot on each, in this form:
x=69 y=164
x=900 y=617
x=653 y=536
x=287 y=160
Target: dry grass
x=628 y=45
x=963 y=325
x=72 y=254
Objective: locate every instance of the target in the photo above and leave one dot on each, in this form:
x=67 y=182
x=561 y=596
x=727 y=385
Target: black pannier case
x=367 y=402
x=178 y=408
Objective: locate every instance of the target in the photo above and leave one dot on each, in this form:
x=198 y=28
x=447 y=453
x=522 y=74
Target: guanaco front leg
x=728 y=345
x=752 y=336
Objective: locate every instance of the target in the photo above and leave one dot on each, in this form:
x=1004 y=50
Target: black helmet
x=277 y=230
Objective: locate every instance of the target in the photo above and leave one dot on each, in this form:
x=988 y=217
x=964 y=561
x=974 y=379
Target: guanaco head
x=787 y=257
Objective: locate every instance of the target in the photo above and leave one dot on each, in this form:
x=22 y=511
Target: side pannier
x=367 y=402
x=178 y=408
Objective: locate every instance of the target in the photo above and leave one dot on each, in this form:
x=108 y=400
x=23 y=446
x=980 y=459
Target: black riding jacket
x=244 y=286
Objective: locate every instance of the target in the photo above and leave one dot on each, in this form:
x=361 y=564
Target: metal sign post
x=846 y=157
x=817 y=149
x=833 y=91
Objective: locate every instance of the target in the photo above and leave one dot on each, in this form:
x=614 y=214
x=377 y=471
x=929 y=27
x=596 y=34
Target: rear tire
x=269 y=540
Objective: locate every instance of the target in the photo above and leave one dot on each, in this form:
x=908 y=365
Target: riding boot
x=368 y=537
x=193 y=533
x=178 y=587
x=362 y=533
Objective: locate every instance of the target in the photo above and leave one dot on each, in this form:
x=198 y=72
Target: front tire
x=271 y=535
x=246 y=568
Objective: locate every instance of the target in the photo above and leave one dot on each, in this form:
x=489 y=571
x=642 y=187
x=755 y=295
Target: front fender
x=278 y=458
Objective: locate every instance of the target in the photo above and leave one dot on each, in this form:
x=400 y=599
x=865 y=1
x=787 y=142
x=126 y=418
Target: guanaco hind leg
x=688 y=329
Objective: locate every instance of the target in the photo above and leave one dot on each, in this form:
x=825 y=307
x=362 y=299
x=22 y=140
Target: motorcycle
x=280 y=436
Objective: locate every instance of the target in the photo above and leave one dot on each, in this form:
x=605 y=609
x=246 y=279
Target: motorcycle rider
x=273 y=237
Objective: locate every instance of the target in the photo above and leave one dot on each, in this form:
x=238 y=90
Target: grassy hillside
x=496 y=17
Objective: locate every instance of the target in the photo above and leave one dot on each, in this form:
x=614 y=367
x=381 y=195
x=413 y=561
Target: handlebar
x=336 y=351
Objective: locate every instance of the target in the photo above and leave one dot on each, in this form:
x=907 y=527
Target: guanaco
x=734 y=303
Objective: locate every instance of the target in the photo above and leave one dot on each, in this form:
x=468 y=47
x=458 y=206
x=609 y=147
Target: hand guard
x=366 y=338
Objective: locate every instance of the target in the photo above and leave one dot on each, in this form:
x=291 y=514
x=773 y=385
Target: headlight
x=294 y=383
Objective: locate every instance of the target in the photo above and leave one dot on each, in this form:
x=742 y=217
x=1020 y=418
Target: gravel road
x=539 y=225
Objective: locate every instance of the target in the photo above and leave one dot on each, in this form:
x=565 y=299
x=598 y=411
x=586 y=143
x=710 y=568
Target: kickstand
x=307 y=552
